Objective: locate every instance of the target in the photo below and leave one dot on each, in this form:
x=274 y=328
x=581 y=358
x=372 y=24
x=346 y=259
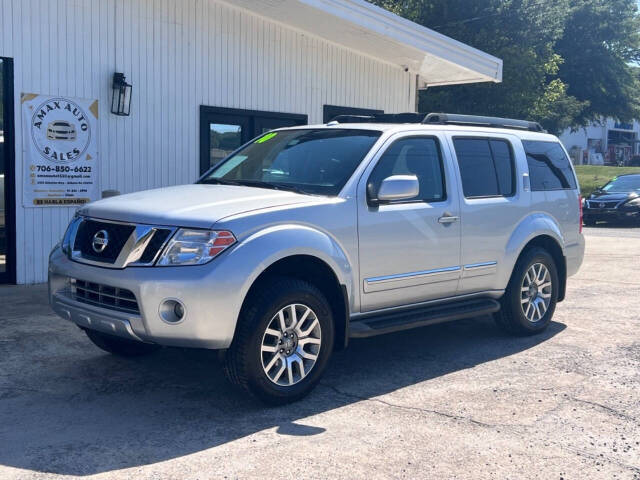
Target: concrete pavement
x=459 y=400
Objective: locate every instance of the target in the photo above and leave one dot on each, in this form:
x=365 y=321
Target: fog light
x=172 y=311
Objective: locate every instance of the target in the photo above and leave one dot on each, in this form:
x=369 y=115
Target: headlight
x=69 y=235
x=195 y=247
x=632 y=203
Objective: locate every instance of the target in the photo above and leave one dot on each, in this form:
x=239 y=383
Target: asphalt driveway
x=459 y=400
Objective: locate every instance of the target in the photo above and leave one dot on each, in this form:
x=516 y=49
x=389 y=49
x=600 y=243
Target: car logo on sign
x=100 y=241
x=61 y=130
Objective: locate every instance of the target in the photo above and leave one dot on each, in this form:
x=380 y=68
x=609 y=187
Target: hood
x=611 y=196
x=190 y=205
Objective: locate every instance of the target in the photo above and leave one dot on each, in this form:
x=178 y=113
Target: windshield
x=623 y=184
x=314 y=161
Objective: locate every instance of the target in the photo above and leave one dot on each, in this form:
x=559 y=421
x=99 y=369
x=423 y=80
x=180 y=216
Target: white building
x=206 y=76
x=609 y=142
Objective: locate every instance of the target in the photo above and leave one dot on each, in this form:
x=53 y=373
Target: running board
x=421 y=317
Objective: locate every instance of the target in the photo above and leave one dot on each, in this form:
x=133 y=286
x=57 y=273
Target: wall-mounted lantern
x=121 y=100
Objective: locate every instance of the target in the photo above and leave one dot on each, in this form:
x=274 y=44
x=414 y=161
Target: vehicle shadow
x=88 y=412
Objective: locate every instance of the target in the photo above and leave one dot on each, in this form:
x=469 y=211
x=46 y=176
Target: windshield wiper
x=290 y=188
x=219 y=181
x=255 y=183
x=271 y=186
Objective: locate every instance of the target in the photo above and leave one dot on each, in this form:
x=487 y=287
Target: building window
x=223 y=130
x=331 y=111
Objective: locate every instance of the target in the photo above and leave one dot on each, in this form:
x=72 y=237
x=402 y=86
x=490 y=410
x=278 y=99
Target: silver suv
x=306 y=237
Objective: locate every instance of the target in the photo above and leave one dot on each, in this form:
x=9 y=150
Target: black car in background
x=618 y=200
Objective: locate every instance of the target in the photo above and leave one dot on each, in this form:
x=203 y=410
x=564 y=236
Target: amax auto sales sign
x=60 y=150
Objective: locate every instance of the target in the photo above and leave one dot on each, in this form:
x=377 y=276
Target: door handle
x=448 y=218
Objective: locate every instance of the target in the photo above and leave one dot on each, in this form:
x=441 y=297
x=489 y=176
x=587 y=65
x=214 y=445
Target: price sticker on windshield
x=266 y=137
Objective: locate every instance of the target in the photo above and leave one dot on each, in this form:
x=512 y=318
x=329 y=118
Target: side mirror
x=398 y=187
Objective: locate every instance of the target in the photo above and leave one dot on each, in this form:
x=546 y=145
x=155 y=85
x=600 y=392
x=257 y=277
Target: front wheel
x=531 y=296
x=283 y=341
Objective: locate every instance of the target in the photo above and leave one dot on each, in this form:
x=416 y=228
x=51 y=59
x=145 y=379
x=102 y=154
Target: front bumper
x=611 y=214
x=212 y=306
x=574 y=255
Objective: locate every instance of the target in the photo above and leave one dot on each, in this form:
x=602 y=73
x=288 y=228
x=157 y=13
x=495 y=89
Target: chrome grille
x=104 y=296
x=118 y=235
x=597 y=204
x=126 y=244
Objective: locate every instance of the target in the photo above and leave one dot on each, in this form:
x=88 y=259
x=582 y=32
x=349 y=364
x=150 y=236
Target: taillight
x=580 y=203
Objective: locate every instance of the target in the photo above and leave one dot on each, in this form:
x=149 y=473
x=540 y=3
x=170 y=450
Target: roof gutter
x=366 y=15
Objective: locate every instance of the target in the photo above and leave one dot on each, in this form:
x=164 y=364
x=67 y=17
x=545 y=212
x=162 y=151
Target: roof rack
x=481 y=121
x=352 y=119
x=380 y=118
x=442 y=119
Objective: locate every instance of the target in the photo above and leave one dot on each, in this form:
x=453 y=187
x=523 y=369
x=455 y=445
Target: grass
x=592 y=176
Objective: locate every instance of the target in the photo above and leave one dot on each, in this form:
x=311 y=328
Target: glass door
x=3 y=228
x=7 y=253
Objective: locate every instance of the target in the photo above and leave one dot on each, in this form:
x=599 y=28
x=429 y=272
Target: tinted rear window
x=486 y=167
x=549 y=166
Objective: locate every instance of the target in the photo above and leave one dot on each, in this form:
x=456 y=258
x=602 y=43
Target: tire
x=263 y=360
x=511 y=316
x=120 y=346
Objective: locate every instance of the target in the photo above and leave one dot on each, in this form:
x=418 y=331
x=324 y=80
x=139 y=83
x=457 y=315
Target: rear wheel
x=120 y=346
x=531 y=296
x=283 y=341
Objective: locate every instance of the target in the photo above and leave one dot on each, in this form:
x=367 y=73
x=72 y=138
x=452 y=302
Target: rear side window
x=549 y=166
x=486 y=167
x=419 y=156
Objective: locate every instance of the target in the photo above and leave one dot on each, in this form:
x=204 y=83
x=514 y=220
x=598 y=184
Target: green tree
x=601 y=40
x=544 y=76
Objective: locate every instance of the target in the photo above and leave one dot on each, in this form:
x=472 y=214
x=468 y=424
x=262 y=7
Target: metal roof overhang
x=377 y=33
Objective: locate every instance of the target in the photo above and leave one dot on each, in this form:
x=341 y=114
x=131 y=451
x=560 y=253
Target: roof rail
x=441 y=119
x=481 y=121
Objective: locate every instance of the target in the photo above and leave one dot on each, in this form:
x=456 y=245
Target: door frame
x=9 y=276
x=247 y=117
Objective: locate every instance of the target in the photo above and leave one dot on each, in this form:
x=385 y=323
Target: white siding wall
x=178 y=55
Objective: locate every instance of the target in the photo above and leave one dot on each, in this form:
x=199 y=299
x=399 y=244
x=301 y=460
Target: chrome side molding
x=405 y=279
x=480 y=266
x=479 y=269
x=401 y=280
x=401 y=276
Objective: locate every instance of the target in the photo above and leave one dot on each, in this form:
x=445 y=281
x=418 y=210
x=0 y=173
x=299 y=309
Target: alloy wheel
x=535 y=292
x=291 y=344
